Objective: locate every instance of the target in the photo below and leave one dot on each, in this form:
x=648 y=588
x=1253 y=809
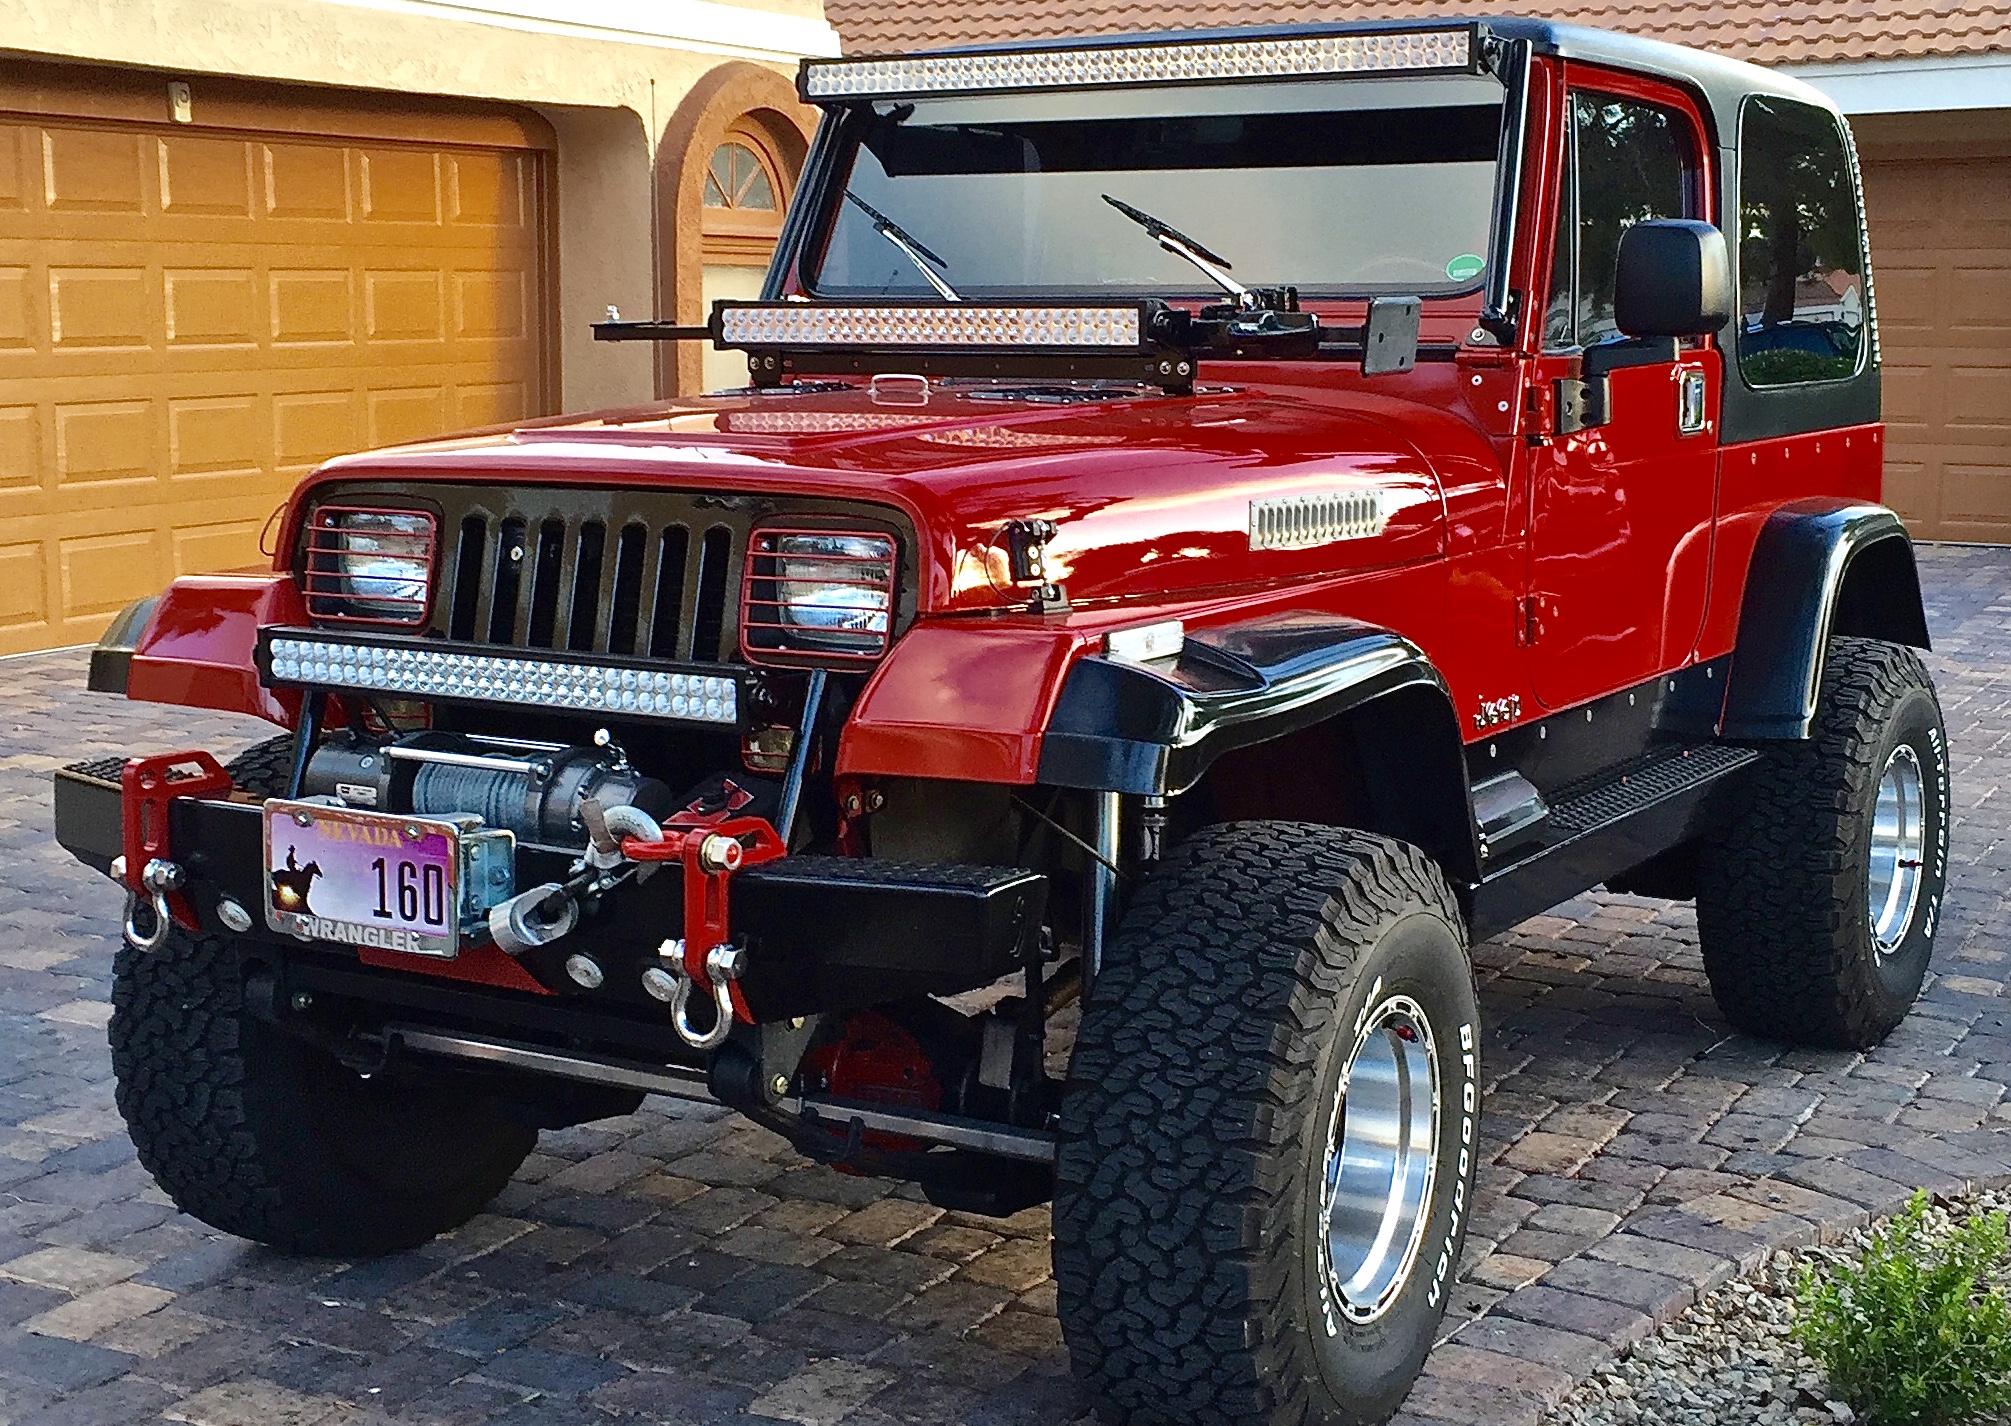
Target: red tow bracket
x=711 y=851
x=148 y=788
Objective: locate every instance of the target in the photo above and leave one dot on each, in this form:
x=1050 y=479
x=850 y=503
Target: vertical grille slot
x=709 y=619
x=625 y=610
x=545 y=584
x=468 y=577
x=588 y=561
x=664 y=618
x=508 y=583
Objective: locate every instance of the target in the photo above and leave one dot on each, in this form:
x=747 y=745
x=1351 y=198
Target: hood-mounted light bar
x=1145 y=341
x=1440 y=49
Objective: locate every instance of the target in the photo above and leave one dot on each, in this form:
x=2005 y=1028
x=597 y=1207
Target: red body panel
x=197 y=648
x=1632 y=542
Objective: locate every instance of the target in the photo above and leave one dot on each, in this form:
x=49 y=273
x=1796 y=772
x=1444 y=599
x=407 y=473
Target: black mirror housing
x=1673 y=279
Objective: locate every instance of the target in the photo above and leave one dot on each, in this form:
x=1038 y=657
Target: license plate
x=363 y=878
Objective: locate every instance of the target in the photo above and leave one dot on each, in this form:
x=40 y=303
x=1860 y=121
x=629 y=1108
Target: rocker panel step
x=1600 y=829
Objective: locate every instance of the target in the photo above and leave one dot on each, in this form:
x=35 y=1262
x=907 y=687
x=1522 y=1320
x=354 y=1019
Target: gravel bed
x=1731 y=1358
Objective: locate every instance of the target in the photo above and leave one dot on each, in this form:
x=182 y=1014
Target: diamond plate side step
x=1604 y=826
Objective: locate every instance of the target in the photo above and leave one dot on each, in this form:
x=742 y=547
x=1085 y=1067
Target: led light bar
x=526 y=678
x=805 y=325
x=1364 y=52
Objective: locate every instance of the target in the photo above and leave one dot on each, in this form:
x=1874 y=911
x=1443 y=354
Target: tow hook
x=722 y=967
x=159 y=879
x=148 y=788
x=705 y=958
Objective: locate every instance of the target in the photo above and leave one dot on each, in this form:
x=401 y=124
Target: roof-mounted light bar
x=1443 y=49
x=940 y=327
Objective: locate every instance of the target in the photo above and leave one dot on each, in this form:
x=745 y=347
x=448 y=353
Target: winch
x=532 y=789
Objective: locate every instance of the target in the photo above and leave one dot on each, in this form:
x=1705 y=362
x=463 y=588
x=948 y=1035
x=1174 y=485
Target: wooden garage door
x=1941 y=253
x=190 y=321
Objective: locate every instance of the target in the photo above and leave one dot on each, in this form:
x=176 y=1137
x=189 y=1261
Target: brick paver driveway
x=676 y=1267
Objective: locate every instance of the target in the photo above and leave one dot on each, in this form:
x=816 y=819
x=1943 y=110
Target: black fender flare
x=112 y=655
x=1819 y=567
x=1155 y=728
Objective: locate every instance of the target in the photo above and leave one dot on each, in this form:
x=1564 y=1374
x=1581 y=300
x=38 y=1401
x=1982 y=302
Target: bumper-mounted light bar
x=1443 y=49
x=529 y=678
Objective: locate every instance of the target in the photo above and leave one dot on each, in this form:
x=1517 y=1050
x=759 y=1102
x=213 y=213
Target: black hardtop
x=1720 y=82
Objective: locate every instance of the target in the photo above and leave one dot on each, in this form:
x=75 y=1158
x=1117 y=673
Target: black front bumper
x=821 y=933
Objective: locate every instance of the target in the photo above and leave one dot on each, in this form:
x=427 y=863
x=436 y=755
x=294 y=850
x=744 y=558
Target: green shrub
x=1915 y=1333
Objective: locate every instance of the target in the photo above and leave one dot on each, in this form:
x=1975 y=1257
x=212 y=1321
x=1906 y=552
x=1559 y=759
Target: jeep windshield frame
x=1338 y=186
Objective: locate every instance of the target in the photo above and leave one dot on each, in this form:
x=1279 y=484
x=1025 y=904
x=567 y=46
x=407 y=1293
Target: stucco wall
x=607 y=74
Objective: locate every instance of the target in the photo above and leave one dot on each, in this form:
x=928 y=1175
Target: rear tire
x=1814 y=928
x=1209 y=1263
x=273 y=1139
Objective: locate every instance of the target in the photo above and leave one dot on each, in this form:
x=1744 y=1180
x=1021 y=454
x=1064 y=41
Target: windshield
x=1337 y=186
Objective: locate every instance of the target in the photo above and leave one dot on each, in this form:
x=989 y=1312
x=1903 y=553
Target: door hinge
x=1530 y=612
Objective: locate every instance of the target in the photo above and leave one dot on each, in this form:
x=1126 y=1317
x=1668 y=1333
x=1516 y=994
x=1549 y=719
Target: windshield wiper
x=1215 y=267
x=901 y=238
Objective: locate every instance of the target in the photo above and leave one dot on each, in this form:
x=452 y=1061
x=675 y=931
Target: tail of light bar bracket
x=1361 y=50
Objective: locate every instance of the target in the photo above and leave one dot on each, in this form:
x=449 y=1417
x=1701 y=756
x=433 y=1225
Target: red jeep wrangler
x=1218 y=522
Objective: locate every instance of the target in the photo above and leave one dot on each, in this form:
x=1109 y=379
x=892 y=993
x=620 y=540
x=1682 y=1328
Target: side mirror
x=1673 y=279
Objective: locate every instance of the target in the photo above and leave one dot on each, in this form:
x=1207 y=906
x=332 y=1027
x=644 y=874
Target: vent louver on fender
x=1291 y=522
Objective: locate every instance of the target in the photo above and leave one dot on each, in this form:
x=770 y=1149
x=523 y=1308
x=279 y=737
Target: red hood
x=1150 y=495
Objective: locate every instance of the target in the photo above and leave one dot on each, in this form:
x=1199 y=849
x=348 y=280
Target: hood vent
x=1297 y=522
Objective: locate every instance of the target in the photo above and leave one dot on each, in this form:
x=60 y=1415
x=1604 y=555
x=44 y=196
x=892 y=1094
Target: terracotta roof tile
x=1766 y=31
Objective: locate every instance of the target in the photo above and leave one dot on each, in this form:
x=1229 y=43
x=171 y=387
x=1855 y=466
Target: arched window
x=745 y=193
x=740 y=219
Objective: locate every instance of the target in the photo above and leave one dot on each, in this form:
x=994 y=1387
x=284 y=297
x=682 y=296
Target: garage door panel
x=13 y=168
x=100 y=442
x=410 y=414
x=93 y=171
x=189 y=322
x=99 y=307
x=491 y=405
x=486 y=190
x=1978 y=403
x=24 y=586
x=312 y=426
x=1977 y=497
x=205 y=178
x=98 y=575
x=313 y=305
x=306 y=182
x=211 y=306
x=403 y=306
x=400 y=186
x=20 y=325
x=20 y=448
x=1906 y=297
x=198 y=549
x=218 y=435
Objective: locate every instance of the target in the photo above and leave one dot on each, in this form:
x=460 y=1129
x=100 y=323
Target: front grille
x=647 y=574
x=638 y=574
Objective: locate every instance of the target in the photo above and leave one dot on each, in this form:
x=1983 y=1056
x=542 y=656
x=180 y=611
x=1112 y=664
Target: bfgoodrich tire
x=1278 y=992
x=1817 y=908
x=273 y=1139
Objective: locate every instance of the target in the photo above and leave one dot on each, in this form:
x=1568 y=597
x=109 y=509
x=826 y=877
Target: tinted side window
x=1801 y=265
x=1630 y=160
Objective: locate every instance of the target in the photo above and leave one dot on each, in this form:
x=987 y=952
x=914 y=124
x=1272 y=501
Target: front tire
x=1816 y=910
x=274 y=1139
x=1268 y=1141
